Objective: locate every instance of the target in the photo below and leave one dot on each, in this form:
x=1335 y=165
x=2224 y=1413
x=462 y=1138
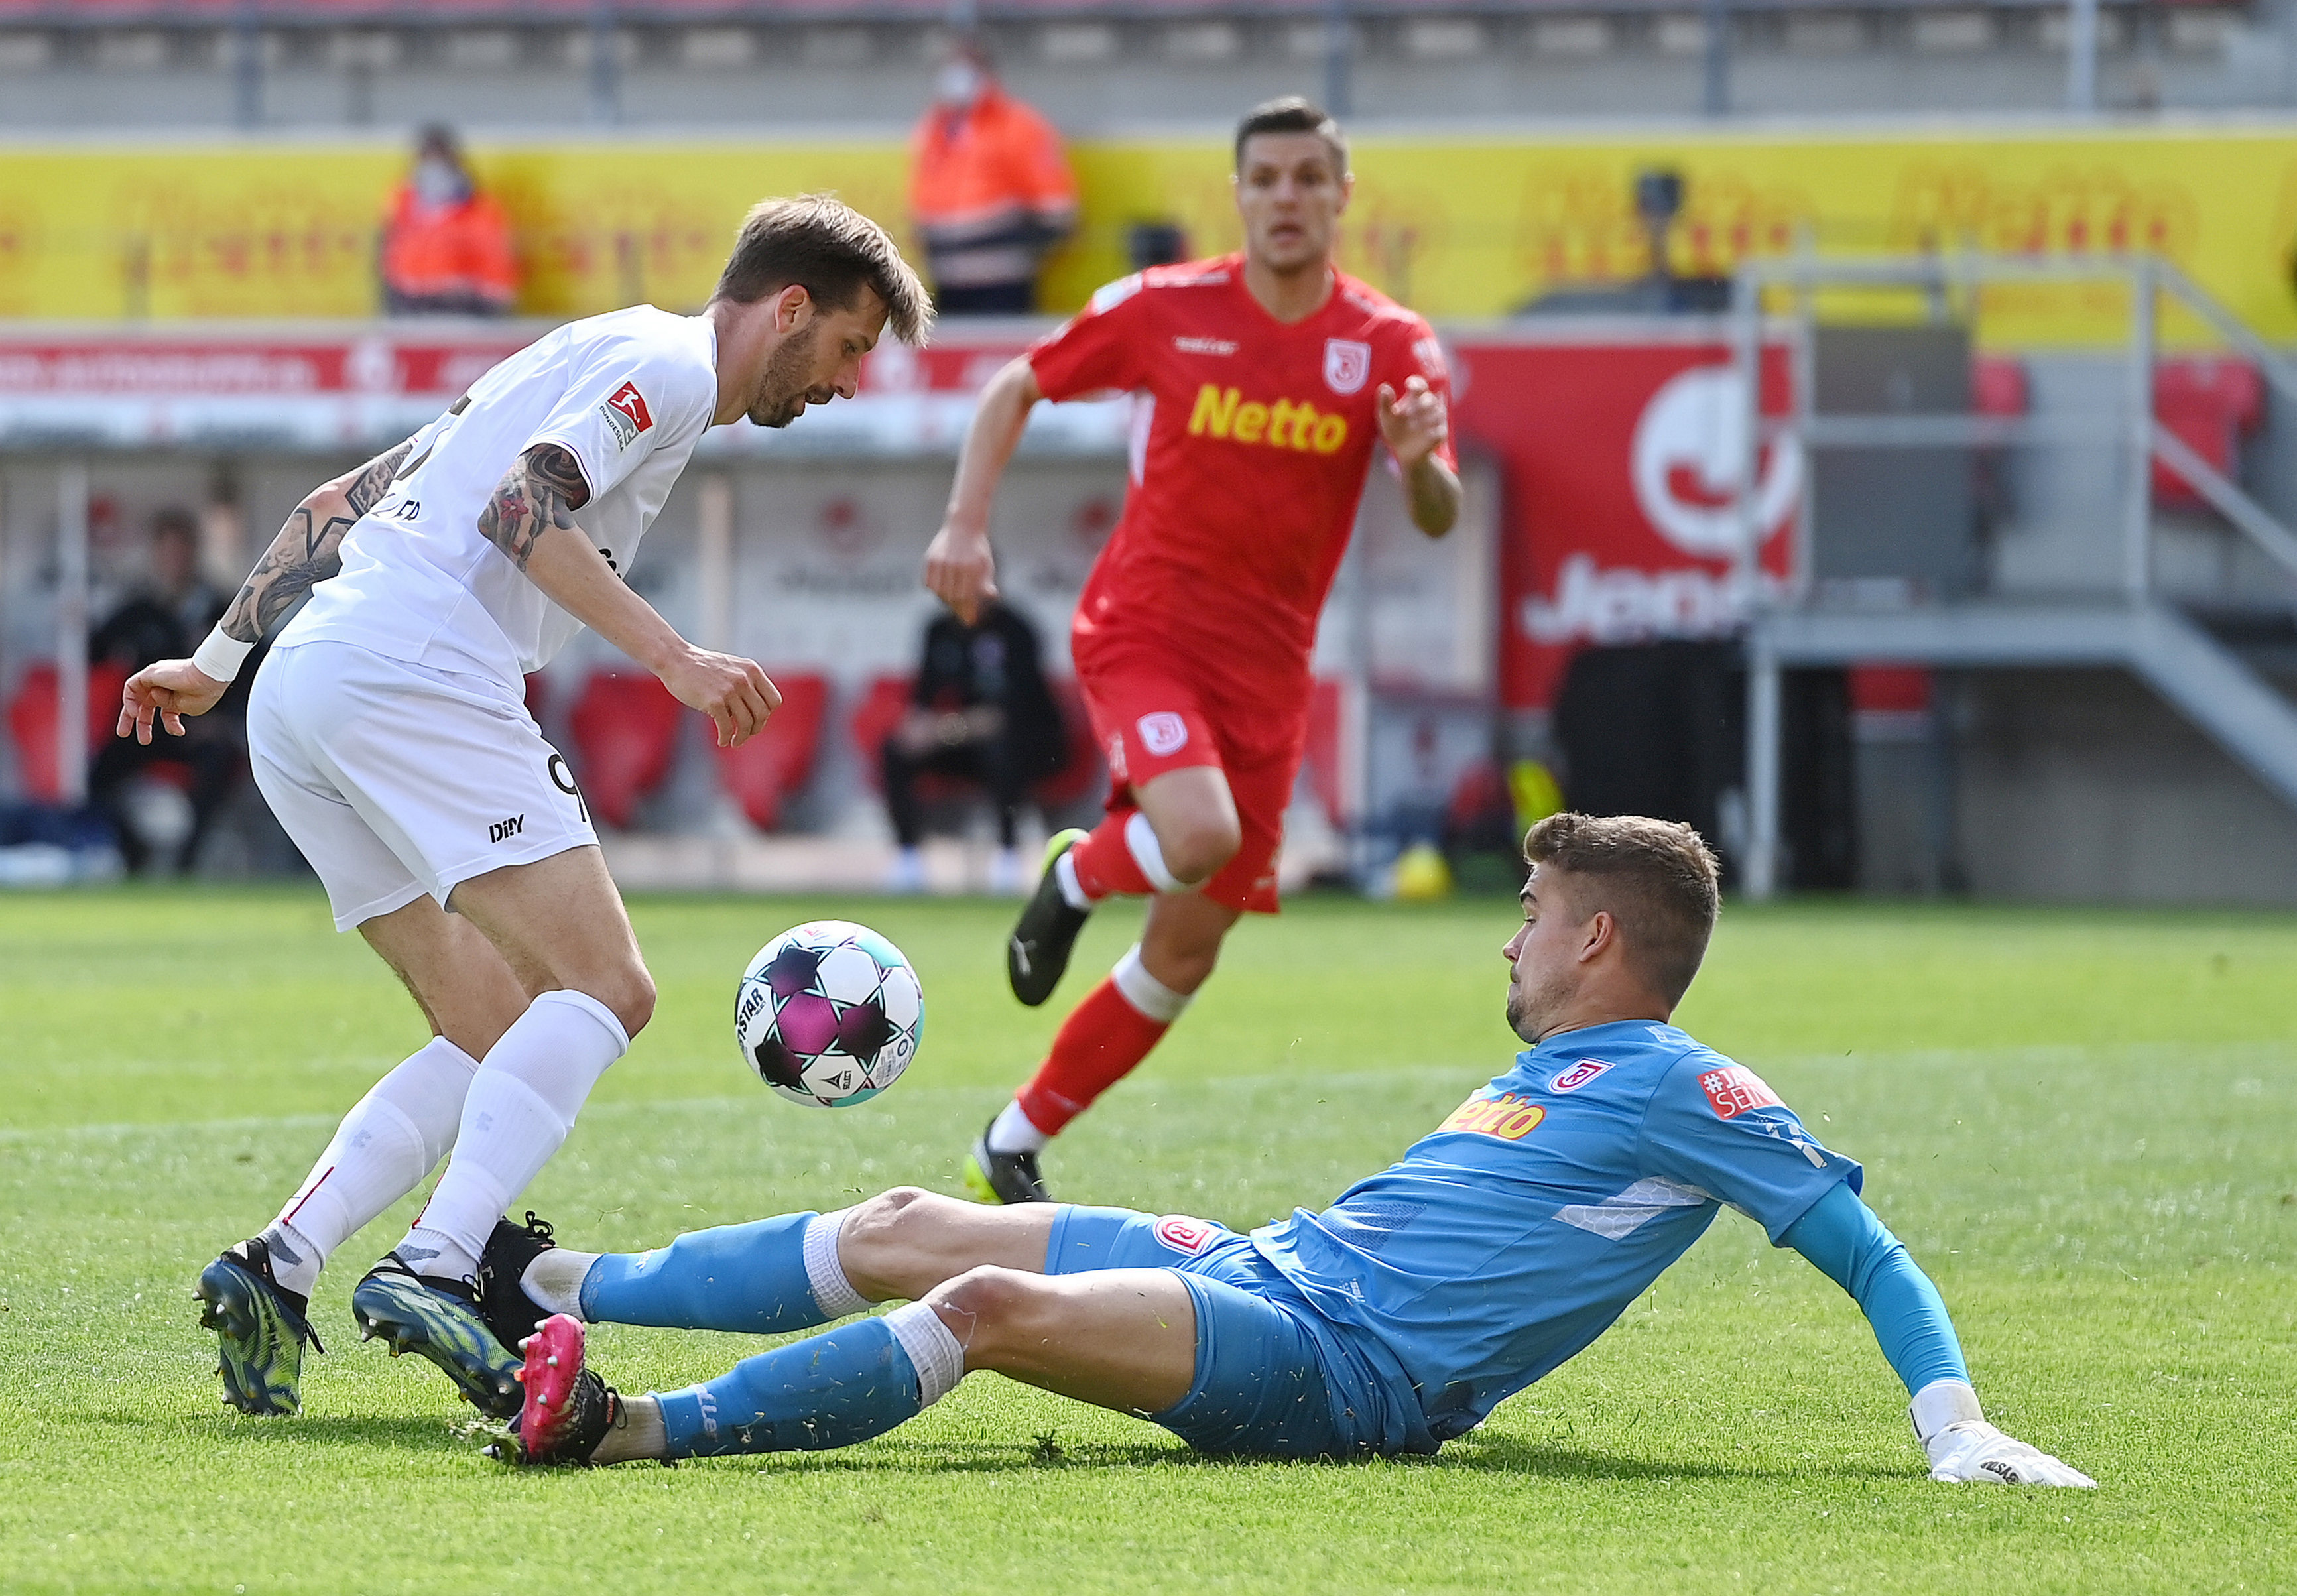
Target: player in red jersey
x=1260 y=380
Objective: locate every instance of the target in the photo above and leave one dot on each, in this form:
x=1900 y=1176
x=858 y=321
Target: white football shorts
x=397 y=779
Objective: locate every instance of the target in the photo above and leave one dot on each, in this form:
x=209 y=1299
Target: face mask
x=438 y=182
x=957 y=84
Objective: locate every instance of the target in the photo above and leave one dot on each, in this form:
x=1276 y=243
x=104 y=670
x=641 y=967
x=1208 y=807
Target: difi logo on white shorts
x=1162 y=733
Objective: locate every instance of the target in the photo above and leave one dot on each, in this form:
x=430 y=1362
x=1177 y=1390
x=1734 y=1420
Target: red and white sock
x=1120 y=858
x=1105 y=1036
x=385 y=1146
x=520 y=1108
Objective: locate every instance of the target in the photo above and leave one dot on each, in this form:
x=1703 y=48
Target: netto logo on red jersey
x=1287 y=423
x=1507 y=1116
x=1735 y=1089
x=626 y=412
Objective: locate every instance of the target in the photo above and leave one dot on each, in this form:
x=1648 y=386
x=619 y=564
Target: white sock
x=385 y=1146
x=1141 y=843
x=295 y=1258
x=1151 y=998
x=824 y=1270
x=1014 y=1132
x=522 y=1104
x=1064 y=875
x=933 y=1352
x=555 y=1280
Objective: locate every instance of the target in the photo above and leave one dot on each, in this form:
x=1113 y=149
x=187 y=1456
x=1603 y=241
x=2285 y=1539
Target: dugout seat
x=2211 y=403
x=36 y=706
x=779 y=760
x=625 y=734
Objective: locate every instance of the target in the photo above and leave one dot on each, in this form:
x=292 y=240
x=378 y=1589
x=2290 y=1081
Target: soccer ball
x=829 y=1014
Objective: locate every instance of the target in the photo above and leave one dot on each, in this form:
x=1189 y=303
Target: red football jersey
x=1251 y=439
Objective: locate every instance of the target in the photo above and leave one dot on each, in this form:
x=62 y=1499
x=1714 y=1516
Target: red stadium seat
x=1997 y=385
x=780 y=759
x=1086 y=773
x=32 y=716
x=873 y=719
x=1889 y=689
x=625 y=735
x=2210 y=404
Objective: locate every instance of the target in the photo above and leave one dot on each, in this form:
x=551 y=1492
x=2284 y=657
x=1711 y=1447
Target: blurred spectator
x=980 y=711
x=446 y=247
x=990 y=191
x=160 y=797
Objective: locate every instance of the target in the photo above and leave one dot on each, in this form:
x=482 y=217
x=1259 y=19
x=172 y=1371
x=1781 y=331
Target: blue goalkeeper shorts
x=1274 y=1378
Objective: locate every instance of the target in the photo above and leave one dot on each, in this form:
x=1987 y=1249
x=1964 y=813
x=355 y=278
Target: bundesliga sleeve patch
x=626 y=412
x=1736 y=1090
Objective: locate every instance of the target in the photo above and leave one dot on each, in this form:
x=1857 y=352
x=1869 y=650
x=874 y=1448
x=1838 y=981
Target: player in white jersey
x=387 y=730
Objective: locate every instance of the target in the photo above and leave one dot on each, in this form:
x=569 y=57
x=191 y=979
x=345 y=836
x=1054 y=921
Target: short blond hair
x=823 y=245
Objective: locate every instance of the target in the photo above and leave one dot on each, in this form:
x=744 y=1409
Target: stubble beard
x=782 y=389
x=1531 y=1009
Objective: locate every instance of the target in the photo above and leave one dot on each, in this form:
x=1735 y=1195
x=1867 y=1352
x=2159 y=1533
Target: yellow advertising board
x=1458 y=227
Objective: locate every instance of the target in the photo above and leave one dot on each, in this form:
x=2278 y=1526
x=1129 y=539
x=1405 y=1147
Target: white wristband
x=221 y=656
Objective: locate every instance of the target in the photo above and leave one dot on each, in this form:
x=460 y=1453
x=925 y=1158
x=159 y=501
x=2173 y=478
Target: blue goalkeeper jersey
x=1514 y=1234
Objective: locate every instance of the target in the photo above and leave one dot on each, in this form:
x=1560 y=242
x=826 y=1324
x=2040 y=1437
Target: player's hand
x=1974 y=1453
x=962 y=572
x=732 y=691
x=168 y=690
x=1414 y=426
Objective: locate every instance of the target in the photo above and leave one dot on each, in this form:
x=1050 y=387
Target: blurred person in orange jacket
x=446 y=248
x=990 y=190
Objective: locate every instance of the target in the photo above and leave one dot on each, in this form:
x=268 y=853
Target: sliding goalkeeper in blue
x=1501 y=1244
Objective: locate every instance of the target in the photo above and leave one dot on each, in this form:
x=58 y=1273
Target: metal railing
x=2134 y=430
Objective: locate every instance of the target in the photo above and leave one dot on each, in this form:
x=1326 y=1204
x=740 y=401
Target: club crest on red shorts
x=1162 y=733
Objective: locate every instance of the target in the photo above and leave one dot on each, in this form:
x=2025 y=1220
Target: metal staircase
x=2137 y=628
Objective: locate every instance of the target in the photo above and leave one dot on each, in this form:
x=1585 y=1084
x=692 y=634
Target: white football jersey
x=628 y=394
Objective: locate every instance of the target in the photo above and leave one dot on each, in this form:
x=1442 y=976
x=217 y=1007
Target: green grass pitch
x=2085 y=1126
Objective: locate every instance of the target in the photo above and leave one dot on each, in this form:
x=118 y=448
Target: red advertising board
x=1620 y=449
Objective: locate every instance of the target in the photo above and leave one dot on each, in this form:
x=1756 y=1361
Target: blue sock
x=833 y=1389
x=764 y=1279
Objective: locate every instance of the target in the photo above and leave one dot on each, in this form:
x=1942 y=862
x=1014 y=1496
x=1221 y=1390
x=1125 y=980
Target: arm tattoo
x=535 y=495
x=307 y=550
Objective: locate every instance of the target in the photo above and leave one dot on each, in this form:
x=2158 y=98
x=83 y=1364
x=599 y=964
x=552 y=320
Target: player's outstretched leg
x=1038 y=951
x=261 y=1326
x=768 y=1278
x=1120 y=1338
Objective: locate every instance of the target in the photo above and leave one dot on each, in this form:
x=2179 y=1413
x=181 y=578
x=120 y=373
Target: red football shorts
x=1148 y=720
